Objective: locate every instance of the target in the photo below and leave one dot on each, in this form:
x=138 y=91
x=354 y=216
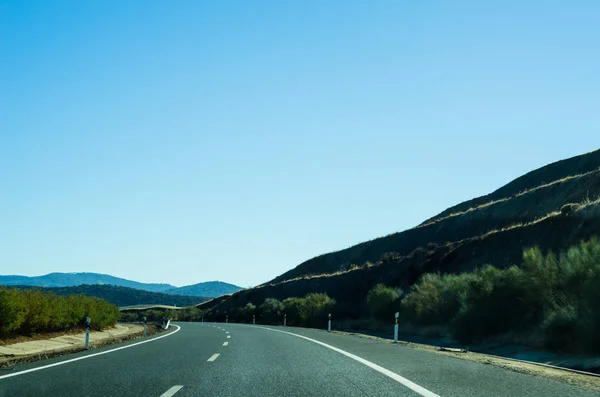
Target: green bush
x=13 y=310
x=292 y=307
x=560 y=328
x=309 y=311
x=496 y=302
x=383 y=301
x=245 y=313
x=30 y=311
x=436 y=299
x=314 y=309
x=130 y=317
x=271 y=311
x=558 y=294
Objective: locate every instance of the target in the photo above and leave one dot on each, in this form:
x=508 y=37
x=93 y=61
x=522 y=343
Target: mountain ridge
x=122 y=296
x=209 y=289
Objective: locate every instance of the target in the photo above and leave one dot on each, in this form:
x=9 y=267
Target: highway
x=217 y=359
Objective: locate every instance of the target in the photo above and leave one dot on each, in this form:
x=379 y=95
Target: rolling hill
x=209 y=289
x=553 y=208
x=73 y=279
x=124 y=296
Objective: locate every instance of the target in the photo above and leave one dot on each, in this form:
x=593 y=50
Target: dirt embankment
x=28 y=349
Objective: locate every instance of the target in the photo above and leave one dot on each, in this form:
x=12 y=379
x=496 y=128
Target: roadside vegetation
x=549 y=300
x=190 y=313
x=32 y=311
x=125 y=296
x=554 y=299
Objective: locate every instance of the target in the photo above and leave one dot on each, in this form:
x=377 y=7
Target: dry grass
x=527 y=191
x=585 y=203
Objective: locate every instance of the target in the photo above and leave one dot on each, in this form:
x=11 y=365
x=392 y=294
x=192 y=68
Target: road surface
x=195 y=359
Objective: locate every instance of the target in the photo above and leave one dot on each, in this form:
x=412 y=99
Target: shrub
x=495 y=303
x=313 y=309
x=559 y=294
x=271 y=310
x=31 y=311
x=560 y=328
x=129 y=317
x=292 y=307
x=570 y=208
x=383 y=301
x=246 y=312
x=13 y=310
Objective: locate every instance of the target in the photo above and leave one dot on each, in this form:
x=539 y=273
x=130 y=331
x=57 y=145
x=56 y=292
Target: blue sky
x=190 y=141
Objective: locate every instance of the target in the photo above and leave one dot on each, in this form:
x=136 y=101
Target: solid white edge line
x=171 y=391
x=89 y=355
x=411 y=385
x=213 y=357
x=225 y=343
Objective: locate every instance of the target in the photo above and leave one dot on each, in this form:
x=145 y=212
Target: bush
x=13 y=310
x=560 y=328
x=30 y=311
x=435 y=299
x=309 y=311
x=559 y=294
x=383 y=301
x=271 y=311
x=496 y=302
x=292 y=307
x=130 y=317
x=313 y=309
x=245 y=313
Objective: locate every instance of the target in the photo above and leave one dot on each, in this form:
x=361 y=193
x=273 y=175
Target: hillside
x=124 y=296
x=526 y=200
x=211 y=289
x=553 y=215
x=73 y=279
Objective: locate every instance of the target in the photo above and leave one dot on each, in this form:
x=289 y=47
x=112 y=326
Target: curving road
x=244 y=360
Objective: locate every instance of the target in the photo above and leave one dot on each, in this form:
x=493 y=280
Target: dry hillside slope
x=526 y=200
x=460 y=239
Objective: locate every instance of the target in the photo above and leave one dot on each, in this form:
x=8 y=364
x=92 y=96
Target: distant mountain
x=210 y=288
x=73 y=279
x=124 y=296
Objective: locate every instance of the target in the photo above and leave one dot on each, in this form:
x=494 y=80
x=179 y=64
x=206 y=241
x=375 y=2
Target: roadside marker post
x=285 y=320
x=88 y=323
x=329 y=323
x=145 y=319
x=226 y=319
x=254 y=319
x=202 y=320
x=396 y=327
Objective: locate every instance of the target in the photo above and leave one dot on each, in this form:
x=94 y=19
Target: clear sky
x=190 y=141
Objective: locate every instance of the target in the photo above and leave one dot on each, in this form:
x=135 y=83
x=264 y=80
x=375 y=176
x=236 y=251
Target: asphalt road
x=244 y=360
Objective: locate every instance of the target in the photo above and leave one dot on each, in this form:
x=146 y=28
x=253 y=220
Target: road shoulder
x=40 y=349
